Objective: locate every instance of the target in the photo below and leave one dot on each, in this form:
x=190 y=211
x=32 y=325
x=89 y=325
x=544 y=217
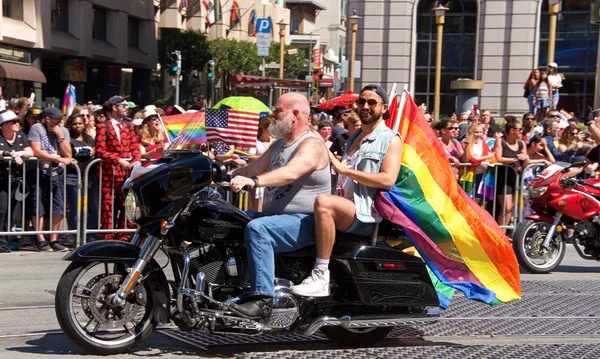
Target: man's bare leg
x=56 y=220
x=38 y=223
x=331 y=213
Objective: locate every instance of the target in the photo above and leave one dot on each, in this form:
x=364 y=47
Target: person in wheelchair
x=371 y=162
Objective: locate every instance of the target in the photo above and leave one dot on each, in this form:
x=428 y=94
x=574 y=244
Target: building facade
x=496 y=41
x=95 y=45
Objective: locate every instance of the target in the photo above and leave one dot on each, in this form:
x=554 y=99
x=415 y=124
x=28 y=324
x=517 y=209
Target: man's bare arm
x=256 y=167
x=387 y=175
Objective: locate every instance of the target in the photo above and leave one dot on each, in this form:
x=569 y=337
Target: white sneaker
x=317 y=285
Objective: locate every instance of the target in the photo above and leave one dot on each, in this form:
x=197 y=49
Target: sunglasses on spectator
x=122 y=105
x=530 y=118
x=85 y=115
x=453 y=128
x=371 y=102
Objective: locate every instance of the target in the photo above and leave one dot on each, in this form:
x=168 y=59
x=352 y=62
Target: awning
x=21 y=72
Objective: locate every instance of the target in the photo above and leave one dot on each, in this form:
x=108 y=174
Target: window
x=13 y=9
x=294 y=26
x=60 y=15
x=575 y=53
x=458 y=51
x=133 y=32
x=99 y=23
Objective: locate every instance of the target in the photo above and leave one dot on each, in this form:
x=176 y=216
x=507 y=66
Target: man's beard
x=369 y=118
x=281 y=128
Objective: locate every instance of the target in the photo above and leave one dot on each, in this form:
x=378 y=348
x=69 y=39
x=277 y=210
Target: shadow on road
x=157 y=346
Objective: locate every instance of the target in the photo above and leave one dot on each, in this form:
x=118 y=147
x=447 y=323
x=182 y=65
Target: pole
x=354 y=28
x=281 y=50
x=552 y=33
x=177 y=75
x=310 y=64
x=597 y=86
x=438 y=66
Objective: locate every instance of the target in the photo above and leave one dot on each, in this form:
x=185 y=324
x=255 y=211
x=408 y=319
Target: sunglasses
x=122 y=105
x=530 y=118
x=371 y=102
x=85 y=115
x=453 y=128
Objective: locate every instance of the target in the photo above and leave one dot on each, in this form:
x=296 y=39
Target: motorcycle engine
x=585 y=229
x=285 y=307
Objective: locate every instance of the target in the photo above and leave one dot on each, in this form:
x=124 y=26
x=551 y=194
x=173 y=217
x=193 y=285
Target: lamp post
x=282 y=24
x=553 y=7
x=440 y=18
x=353 y=20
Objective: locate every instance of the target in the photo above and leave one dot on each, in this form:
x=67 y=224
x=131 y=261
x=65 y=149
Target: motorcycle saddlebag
x=388 y=276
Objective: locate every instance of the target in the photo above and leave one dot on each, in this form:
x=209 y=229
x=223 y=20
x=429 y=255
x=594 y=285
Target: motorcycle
x=114 y=294
x=560 y=202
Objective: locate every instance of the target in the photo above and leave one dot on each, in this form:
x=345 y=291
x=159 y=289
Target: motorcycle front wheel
x=527 y=244
x=91 y=320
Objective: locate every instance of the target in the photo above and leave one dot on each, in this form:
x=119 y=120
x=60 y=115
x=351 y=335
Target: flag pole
x=401 y=107
x=162 y=124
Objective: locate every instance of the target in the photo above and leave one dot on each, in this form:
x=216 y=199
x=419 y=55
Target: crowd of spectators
x=124 y=135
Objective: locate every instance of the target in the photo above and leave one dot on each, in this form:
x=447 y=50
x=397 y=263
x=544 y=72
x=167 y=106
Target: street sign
x=346 y=68
x=272 y=65
x=263 y=51
x=263 y=25
x=263 y=40
x=317 y=58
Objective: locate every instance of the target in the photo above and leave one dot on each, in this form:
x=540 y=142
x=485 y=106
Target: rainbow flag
x=174 y=124
x=69 y=100
x=236 y=15
x=237 y=151
x=193 y=135
x=460 y=242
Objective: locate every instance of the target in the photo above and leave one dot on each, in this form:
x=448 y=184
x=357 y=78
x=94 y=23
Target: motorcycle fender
x=541 y=217
x=105 y=251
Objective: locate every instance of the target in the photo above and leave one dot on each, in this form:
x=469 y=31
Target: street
x=558 y=317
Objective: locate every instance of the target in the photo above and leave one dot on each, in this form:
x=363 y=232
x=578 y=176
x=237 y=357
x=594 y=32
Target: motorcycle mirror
x=578 y=164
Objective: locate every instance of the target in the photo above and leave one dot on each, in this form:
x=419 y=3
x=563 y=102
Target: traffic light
x=210 y=73
x=176 y=57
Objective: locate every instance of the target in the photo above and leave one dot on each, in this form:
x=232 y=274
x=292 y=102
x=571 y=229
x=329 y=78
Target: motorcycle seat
x=344 y=243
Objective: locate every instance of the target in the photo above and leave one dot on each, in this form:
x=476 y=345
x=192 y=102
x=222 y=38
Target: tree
x=233 y=57
x=193 y=46
x=292 y=64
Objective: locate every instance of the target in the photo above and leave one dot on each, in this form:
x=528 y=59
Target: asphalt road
x=541 y=323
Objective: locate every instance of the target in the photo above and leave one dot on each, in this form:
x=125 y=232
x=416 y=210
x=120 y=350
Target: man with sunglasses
x=118 y=146
x=371 y=162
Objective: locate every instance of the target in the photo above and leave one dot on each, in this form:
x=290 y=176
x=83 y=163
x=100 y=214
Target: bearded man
x=371 y=162
x=294 y=171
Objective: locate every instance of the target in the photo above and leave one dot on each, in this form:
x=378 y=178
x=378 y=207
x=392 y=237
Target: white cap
x=553 y=64
x=149 y=112
x=150 y=107
x=8 y=116
x=137 y=121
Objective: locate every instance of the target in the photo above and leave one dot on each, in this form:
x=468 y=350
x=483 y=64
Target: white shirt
x=555 y=81
x=117 y=126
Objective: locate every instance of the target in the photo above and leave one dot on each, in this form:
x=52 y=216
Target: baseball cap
x=378 y=90
x=131 y=104
x=137 y=121
x=8 y=116
x=96 y=108
x=34 y=112
x=116 y=99
x=553 y=64
x=339 y=110
x=52 y=112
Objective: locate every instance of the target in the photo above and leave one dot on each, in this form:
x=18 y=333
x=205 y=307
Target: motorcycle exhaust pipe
x=430 y=316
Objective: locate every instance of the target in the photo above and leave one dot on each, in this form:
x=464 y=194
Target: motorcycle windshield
x=190 y=129
x=552 y=169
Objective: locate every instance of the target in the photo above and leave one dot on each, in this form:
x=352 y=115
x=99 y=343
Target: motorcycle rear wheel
x=527 y=242
x=356 y=337
x=90 y=322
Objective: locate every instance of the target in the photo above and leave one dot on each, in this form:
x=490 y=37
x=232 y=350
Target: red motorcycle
x=561 y=203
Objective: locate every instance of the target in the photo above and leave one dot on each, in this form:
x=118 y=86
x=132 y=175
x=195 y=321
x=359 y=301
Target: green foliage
x=192 y=44
x=233 y=57
x=292 y=64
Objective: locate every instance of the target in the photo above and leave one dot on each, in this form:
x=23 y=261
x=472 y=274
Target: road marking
x=28 y=307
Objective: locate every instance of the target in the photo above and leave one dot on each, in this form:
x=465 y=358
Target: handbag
x=526 y=93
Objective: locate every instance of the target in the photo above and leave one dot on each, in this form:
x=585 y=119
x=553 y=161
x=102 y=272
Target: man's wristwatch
x=255 y=179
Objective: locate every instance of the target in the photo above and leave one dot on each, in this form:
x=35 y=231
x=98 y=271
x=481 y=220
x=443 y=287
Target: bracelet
x=255 y=179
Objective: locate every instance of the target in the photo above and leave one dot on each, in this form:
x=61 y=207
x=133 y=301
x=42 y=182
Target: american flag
x=183 y=4
x=232 y=127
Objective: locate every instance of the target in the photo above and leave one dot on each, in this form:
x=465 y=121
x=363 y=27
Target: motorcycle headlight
x=538 y=191
x=132 y=211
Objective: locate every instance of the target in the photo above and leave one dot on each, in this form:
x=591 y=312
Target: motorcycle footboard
x=387 y=276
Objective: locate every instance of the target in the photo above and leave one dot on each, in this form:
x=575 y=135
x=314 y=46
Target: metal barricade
x=31 y=173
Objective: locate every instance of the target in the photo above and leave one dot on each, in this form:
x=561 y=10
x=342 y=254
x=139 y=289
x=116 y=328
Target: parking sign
x=263 y=25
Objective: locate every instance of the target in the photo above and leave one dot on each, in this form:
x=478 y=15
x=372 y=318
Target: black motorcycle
x=114 y=294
